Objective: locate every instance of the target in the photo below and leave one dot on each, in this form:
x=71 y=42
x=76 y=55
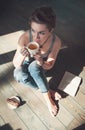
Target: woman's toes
x=53 y=112
x=53 y=108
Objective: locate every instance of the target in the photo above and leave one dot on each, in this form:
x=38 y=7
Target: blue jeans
x=33 y=75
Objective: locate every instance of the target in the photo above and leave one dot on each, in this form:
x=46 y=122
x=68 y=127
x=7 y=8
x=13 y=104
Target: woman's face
x=40 y=32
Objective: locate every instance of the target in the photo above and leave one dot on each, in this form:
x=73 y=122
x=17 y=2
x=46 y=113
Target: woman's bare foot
x=52 y=108
x=51 y=104
x=55 y=95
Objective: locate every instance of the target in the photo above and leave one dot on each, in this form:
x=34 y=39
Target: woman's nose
x=37 y=36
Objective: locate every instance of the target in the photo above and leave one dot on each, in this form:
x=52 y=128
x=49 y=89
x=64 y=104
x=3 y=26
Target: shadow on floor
x=82 y=127
x=6 y=127
x=70 y=59
x=6 y=57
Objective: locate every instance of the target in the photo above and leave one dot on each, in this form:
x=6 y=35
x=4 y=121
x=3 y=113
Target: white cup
x=11 y=104
x=33 y=48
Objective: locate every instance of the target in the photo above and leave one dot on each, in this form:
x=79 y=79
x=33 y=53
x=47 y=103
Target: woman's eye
x=42 y=33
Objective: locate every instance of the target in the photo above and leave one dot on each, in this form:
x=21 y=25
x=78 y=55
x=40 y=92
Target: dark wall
x=70 y=27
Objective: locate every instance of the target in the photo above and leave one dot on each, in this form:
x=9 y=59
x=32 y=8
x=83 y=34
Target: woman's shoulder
x=56 y=47
x=24 y=38
x=57 y=42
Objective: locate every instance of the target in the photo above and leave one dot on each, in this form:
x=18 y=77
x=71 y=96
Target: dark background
x=70 y=27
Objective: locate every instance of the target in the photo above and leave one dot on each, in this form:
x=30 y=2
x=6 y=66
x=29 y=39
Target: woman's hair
x=44 y=15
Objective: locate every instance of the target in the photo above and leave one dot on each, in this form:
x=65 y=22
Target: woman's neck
x=46 y=41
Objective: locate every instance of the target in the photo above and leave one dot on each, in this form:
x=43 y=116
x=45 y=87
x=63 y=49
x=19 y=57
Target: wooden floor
x=33 y=114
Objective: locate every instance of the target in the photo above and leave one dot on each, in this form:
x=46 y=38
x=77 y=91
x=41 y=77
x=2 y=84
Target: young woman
x=30 y=70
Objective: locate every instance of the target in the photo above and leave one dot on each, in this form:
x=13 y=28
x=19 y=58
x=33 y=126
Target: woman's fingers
x=24 y=51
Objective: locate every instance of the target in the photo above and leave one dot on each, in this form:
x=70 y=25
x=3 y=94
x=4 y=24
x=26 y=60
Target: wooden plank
x=37 y=107
x=8 y=115
x=34 y=98
x=74 y=124
x=71 y=120
x=9 y=68
x=76 y=110
x=5 y=69
x=8 y=42
x=25 y=113
x=2 y=122
x=70 y=83
x=79 y=98
x=30 y=118
x=63 y=115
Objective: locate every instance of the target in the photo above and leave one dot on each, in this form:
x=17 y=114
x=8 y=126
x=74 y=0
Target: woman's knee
x=34 y=68
x=19 y=75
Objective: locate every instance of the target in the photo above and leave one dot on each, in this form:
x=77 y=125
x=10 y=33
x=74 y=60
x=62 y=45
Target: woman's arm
x=51 y=58
x=19 y=57
x=53 y=55
x=21 y=52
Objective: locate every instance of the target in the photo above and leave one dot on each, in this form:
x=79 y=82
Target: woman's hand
x=39 y=58
x=24 y=51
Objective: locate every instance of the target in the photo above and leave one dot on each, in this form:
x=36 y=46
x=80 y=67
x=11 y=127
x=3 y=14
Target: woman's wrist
x=40 y=62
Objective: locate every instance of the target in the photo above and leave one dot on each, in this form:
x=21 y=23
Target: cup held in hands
x=33 y=48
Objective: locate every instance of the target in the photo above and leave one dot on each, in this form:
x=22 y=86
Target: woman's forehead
x=40 y=27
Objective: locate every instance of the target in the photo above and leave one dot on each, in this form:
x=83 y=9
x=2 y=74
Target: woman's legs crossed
x=34 y=76
x=37 y=73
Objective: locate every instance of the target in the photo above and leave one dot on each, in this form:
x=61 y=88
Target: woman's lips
x=38 y=41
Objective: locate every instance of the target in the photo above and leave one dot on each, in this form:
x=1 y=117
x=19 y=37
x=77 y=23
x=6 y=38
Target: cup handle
x=31 y=55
